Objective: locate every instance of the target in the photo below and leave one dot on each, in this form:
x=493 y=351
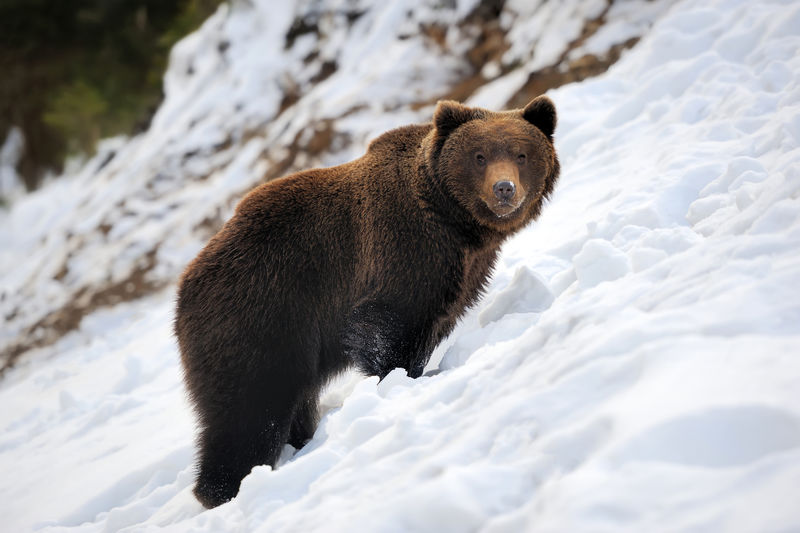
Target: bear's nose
x=504 y=190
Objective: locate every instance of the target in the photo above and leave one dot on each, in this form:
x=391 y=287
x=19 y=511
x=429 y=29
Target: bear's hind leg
x=231 y=445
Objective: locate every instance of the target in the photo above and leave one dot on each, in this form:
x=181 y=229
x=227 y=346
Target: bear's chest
x=476 y=266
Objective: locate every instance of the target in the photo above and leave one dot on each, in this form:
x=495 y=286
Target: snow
x=632 y=367
x=11 y=151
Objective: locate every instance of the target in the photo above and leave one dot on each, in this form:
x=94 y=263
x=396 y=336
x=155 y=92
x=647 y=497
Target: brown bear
x=367 y=264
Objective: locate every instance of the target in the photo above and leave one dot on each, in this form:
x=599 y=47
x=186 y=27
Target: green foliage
x=77 y=112
x=74 y=71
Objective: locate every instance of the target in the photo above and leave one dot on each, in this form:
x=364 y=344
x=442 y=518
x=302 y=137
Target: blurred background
x=75 y=71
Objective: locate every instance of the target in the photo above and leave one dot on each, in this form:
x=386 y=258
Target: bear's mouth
x=503 y=209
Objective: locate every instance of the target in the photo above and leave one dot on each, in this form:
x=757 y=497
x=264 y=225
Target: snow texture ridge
x=633 y=366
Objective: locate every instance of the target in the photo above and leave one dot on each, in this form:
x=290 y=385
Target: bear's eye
x=521 y=159
x=481 y=159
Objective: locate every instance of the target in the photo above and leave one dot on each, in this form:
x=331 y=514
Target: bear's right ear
x=449 y=115
x=541 y=112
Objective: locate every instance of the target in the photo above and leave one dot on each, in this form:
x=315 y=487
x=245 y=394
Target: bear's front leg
x=377 y=339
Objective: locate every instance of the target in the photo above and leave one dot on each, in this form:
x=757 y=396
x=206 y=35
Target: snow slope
x=633 y=366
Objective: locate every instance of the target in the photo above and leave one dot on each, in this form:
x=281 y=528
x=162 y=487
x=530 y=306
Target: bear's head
x=499 y=166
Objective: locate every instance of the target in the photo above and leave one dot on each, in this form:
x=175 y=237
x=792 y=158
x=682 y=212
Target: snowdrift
x=633 y=366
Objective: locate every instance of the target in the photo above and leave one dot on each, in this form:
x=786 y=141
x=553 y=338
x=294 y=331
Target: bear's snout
x=504 y=190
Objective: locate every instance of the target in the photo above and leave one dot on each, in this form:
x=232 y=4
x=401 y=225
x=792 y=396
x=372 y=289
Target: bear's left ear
x=449 y=115
x=541 y=112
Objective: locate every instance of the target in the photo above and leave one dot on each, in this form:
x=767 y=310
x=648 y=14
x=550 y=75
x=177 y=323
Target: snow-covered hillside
x=633 y=366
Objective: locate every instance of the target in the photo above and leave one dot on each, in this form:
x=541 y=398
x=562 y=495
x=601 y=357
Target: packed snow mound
x=633 y=366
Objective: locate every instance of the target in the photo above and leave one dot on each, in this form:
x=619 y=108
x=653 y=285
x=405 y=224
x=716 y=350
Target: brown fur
x=367 y=264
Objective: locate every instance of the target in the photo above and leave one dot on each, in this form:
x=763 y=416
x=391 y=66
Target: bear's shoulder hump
x=404 y=138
